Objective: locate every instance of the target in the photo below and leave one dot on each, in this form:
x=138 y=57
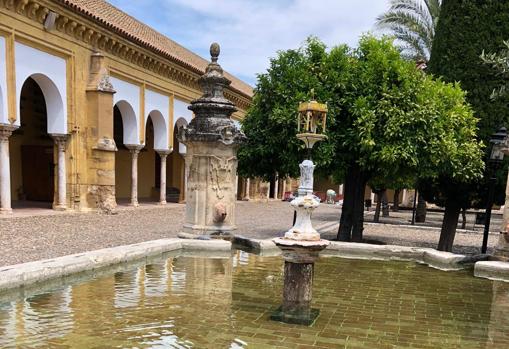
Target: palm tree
x=413 y=23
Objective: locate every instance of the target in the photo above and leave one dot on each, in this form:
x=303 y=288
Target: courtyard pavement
x=42 y=234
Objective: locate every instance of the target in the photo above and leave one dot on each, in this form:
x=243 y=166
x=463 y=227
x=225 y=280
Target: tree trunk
x=395 y=206
x=385 y=204
x=463 y=218
x=346 y=220
x=352 y=215
x=449 y=225
x=358 y=213
x=376 y=217
x=420 y=212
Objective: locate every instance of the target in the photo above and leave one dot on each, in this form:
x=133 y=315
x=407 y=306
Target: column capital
x=6 y=131
x=134 y=148
x=60 y=140
x=164 y=152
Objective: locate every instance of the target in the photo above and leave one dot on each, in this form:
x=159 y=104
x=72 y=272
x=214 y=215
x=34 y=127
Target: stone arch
x=50 y=75
x=129 y=124
x=32 y=148
x=160 y=130
x=54 y=104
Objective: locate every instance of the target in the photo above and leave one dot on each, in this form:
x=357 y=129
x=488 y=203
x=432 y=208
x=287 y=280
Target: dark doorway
x=34 y=146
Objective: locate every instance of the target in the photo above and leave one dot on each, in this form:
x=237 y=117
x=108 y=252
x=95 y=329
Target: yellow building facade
x=90 y=103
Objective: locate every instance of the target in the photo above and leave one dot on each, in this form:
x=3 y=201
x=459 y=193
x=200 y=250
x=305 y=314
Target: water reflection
x=186 y=302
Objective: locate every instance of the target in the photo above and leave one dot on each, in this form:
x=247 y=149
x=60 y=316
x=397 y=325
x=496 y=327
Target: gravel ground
x=28 y=238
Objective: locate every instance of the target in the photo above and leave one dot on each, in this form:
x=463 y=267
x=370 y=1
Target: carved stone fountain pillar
x=301 y=246
x=212 y=140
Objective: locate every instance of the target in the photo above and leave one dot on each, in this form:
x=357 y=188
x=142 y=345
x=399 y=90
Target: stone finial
x=212 y=121
x=215 y=50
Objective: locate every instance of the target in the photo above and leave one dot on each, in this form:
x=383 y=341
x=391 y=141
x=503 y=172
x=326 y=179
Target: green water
x=190 y=302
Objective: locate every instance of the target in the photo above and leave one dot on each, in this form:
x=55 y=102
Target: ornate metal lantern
x=311 y=122
x=498 y=141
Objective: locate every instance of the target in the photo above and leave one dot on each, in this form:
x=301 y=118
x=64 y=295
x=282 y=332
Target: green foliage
x=500 y=62
x=271 y=122
x=413 y=23
x=467 y=29
x=385 y=116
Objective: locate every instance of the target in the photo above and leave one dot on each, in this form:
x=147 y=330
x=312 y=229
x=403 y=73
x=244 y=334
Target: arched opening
x=124 y=133
x=33 y=161
x=147 y=167
x=176 y=171
x=156 y=139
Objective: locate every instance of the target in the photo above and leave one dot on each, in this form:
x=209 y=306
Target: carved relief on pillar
x=222 y=172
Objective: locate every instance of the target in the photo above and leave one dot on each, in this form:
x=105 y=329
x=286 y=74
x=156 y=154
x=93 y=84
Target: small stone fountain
x=212 y=140
x=301 y=245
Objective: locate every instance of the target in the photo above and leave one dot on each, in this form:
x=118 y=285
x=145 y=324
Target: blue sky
x=252 y=31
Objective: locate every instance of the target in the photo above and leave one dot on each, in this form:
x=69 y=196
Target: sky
x=250 y=32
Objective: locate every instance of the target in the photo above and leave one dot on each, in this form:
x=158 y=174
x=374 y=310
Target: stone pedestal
x=212 y=140
x=210 y=195
x=300 y=257
x=301 y=246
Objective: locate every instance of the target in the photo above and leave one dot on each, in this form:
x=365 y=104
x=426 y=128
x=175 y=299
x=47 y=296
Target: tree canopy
x=465 y=30
x=387 y=120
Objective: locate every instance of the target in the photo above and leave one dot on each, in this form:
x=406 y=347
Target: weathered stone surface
x=443 y=260
x=297 y=295
x=212 y=140
x=494 y=270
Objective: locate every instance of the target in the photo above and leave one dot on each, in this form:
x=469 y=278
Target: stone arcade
x=94 y=121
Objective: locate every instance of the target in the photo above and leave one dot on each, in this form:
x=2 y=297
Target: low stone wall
x=493 y=270
x=34 y=272
x=435 y=259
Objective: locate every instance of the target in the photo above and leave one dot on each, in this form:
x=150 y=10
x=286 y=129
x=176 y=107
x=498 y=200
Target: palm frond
x=413 y=22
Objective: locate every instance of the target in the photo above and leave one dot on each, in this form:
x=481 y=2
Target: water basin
x=200 y=302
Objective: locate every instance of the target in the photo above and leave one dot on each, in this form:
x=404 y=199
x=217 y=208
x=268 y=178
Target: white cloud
x=251 y=31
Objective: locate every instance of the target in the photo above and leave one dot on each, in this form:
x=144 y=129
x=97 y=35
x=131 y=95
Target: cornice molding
x=100 y=39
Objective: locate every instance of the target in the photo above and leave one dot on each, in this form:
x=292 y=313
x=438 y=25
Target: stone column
x=236 y=186
x=248 y=188
x=404 y=199
x=283 y=189
x=61 y=143
x=276 y=187
x=162 y=186
x=135 y=151
x=5 y=169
